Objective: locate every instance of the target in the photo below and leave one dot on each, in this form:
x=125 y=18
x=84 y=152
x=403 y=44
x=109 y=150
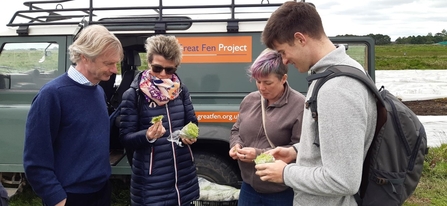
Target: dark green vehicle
x=219 y=42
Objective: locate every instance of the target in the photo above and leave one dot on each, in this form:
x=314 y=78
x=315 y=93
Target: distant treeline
x=382 y=39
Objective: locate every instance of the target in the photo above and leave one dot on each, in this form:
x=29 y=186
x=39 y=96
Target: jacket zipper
x=173 y=155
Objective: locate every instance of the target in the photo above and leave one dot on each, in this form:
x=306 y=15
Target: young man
x=328 y=173
x=66 y=154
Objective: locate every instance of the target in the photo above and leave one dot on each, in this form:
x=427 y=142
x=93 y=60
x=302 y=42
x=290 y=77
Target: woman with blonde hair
x=163 y=171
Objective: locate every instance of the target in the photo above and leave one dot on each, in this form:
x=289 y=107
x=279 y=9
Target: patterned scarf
x=161 y=91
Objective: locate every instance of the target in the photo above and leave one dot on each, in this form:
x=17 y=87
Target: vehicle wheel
x=215 y=169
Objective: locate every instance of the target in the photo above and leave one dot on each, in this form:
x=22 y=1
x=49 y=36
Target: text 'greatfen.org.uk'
x=217 y=116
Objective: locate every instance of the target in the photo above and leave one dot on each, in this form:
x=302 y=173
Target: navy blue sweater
x=67 y=140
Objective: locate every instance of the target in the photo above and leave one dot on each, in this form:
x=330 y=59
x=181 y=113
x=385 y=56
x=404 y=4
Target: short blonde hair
x=166 y=46
x=92 y=42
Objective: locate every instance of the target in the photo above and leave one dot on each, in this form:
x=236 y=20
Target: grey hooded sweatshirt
x=331 y=173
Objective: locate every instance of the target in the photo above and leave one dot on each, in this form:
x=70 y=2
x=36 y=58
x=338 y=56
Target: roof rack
x=158 y=18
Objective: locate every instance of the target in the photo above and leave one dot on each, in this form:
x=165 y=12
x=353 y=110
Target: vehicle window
x=142 y=67
x=359 y=52
x=27 y=66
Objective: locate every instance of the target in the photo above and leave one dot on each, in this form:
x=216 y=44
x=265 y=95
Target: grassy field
x=411 y=56
x=24 y=60
x=433 y=184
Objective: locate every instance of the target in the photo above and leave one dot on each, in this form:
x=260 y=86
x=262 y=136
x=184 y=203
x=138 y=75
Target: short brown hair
x=289 y=18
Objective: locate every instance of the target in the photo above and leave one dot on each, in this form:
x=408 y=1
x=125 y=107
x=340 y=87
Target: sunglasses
x=157 y=69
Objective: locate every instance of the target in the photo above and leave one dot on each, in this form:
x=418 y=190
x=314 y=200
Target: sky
x=395 y=18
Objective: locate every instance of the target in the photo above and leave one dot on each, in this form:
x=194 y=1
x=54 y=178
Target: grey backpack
x=395 y=159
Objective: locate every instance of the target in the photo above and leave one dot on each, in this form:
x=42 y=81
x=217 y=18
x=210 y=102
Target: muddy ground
x=428 y=107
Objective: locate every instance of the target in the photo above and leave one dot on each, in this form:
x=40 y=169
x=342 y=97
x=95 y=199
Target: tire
x=216 y=169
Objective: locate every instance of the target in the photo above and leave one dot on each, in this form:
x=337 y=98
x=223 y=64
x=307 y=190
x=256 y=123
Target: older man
x=66 y=154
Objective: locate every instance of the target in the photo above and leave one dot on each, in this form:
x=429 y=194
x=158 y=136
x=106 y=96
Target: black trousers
x=100 y=198
x=3 y=194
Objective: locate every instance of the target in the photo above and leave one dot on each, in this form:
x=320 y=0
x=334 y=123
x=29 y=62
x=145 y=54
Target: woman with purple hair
x=283 y=111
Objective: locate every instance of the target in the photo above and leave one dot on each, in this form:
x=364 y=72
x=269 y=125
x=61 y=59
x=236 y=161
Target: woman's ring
x=245 y=156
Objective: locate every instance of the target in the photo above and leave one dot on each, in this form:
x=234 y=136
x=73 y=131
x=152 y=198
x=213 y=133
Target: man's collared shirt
x=74 y=74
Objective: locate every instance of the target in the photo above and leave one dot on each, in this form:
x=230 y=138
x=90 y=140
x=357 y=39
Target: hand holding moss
x=157 y=119
x=190 y=131
x=233 y=151
x=155 y=131
x=264 y=158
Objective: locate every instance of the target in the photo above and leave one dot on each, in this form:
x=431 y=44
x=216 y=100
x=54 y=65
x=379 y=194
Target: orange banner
x=223 y=49
x=217 y=116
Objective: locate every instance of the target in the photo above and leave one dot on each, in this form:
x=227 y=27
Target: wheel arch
x=216 y=151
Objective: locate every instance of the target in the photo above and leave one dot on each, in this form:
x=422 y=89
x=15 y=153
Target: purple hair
x=268 y=62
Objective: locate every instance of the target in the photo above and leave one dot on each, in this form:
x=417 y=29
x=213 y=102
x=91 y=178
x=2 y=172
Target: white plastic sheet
x=410 y=85
x=210 y=191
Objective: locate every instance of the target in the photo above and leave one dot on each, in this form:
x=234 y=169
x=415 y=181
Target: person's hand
x=189 y=141
x=233 y=151
x=62 y=203
x=155 y=131
x=246 y=154
x=271 y=172
x=286 y=154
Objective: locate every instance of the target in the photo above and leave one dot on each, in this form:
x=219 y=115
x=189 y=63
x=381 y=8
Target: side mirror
x=45 y=53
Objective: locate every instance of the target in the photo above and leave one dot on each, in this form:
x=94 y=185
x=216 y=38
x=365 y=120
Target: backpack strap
x=139 y=102
x=345 y=70
x=321 y=79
